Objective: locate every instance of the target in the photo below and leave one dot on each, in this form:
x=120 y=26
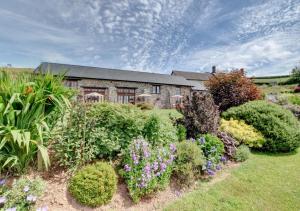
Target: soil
x=56 y=196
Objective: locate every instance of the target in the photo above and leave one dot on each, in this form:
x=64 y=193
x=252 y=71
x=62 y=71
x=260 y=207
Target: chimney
x=214 y=69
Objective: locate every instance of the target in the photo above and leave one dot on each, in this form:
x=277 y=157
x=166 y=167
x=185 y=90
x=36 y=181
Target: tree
x=232 y=89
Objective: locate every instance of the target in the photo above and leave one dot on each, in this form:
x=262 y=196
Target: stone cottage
x=122 y=86
x=195 y=78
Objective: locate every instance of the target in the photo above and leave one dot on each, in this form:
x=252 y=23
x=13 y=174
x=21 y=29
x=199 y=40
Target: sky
x=262 y=36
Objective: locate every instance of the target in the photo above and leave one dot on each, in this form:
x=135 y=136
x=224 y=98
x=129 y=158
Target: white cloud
x=261 y=56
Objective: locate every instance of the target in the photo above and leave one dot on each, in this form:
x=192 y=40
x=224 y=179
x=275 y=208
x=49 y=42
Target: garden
x=227 y=148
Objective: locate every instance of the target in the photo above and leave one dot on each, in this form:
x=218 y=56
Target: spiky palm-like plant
x=30 y=105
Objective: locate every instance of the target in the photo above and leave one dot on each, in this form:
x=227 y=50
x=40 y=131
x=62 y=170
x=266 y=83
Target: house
x=122 y=86
x=197 y=79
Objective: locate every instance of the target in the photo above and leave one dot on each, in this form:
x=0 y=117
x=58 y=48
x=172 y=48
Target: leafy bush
x=278 y=125
x=147 y=170
x=232 y=89
x=96 y=131
x=213 y=149
x=75 y=144
x=188 y=163
x=242 y=153
x=243 y=133
x=229 y=142
x=159 y=131
x=122 y=123
x=22 y=195
x=94 y=185
x=200 y=115
x=181 y=132
x=30 y=105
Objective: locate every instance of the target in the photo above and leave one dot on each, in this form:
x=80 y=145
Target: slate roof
x=77 y=71
x=192 y=75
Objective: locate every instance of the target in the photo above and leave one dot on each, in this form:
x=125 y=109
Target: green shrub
x=147 y=169
x=188 y=163
x=122 y=123
x=94 y=185
x=75 y=144
x=279 y=126
x=30 y=105
x=23 y=194
x=243 y=133
x=96 y=131
x=181 y=132
x=242 y=153
x=159 y=131
x=213 y=150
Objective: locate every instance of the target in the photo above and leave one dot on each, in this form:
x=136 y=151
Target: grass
x=277 y=89
x=271 y=79
x=264 y=182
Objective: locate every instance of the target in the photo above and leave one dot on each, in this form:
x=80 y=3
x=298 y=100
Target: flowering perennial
x=146 y=170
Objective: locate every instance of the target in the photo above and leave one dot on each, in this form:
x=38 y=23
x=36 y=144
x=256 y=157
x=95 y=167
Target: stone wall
x=162 y=100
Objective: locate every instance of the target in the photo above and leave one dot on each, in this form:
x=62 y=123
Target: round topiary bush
x=242 y=153
x=188 y=163
x=279 y=126
x=94 y=185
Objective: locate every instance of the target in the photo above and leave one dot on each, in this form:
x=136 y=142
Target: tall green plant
x=27 y=101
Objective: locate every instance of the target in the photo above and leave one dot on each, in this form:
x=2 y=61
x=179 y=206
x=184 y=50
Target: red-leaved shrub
x=232 y=89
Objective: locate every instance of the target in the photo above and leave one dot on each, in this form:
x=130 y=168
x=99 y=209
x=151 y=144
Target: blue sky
x=262 y=36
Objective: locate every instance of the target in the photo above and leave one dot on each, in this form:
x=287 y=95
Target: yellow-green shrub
x=243 y=133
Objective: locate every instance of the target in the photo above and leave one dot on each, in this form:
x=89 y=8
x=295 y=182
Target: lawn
x=264 y=182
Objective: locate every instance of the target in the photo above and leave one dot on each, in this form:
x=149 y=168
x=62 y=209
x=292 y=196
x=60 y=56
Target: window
x=178 y=91
x=155 y=89
x=71 y=83
x=94 y=94
x=126 y=95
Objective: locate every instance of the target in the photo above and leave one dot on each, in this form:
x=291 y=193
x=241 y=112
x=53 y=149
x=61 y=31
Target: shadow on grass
x=275 y=154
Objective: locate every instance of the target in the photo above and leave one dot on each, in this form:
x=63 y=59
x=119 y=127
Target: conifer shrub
x=188 y=163
x=94 y=185
x=243 y=133
x=242 y=153
x=279 y=126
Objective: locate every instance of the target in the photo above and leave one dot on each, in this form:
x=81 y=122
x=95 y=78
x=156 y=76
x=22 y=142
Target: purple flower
x=155 y=165
x=147 y=170
x=127 y=168
x=44 y=208
x=135 y=159
x=2 y=199
x=26 y=189
x=202 y=140
x=171 y=159
x=223 y=159
x=146 y=152
x=218 y=167
x=31 y=198
x=163 y=167
x=210 y=172
x=2 y=182
x=11 y=209
x=172 y=147
x=209 y=164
